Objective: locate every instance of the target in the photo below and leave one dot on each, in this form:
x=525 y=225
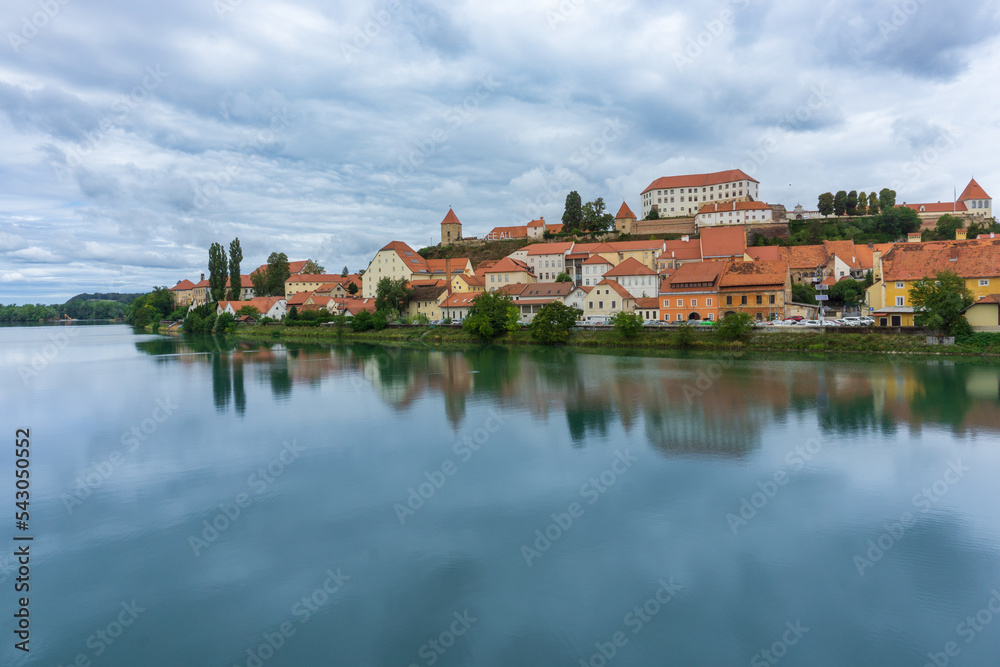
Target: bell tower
x=451 y=228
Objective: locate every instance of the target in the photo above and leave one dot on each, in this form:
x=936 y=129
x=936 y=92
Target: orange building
x=691 y=292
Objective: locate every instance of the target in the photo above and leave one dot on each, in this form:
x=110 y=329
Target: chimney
x=202 y=276
x=685 y=238
x=871 y=245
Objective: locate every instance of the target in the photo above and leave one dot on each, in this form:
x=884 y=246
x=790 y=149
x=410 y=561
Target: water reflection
x=679 y=404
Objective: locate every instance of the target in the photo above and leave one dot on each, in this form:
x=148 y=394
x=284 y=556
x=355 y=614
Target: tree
x=826 y=203
x=352 y=289
x=249 y=311
x=897 y=221
x=572 y=218
x=873 y=204
x=259 y=280
x=277 y=273
x=217 y=270
x=946 y=227
x=736 y=326
x=225 y=323
x=814 y=235
x=595 y=218
x=977 y=227
x=886 y=199
x=312 y=268
x=938 y=302
x=840 y=202
x=654 y=214
x=344 y=272
x=392 y=295
x=627 y=324
x=847 y=291
x=491 y=314
x=862 y=203
x=552 y=323
x=869 y=278
x=852 y=203
x=564 y=278
x=235 y=280
x=803 y=293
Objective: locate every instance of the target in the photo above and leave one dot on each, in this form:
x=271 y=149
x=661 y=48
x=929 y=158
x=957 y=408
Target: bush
x=178 y=314
x=685 y=336
x=491 y=315
x=193 y=323
x=552 y=323
x=224 y=324
x=628 y=325
x=419 y=318
x=735 y=327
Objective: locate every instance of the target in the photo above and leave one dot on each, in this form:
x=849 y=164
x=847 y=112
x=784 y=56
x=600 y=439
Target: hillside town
x=704 y=267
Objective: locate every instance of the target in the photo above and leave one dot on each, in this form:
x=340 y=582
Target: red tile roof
x=767 y=253
x=844 y=250
x=647 y=303
x=183 y=285
x=625 y=212
x=630 y=267
x=312 y=278
x=298 y=298
x=973 y=191
x=969 y=259
x=451 y=218
x=542 y=290
x=681 y=250
x=622 y=292
x=513 y=289
x=939 y=207
x=549 y=248
x=472 y=281
x=537 y=223
x=458 y=299
x=804 y=256
x=723 y=242
x=754 y=274
x=596 y=259
x=699 y=180
x=509 y=265
x=693 y=273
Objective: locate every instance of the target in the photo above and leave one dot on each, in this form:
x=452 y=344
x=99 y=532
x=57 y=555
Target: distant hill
x=99 y=296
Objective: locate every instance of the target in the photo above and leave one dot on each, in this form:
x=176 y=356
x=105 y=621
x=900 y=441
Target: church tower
x=451 y=228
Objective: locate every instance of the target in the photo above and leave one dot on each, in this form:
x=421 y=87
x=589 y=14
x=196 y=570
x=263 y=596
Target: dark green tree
x=814 y=234
x=945 y=228
x=938 y=302
x=552 y=323
x=654 y=214
x=312 y=268
x=352 y=289
x=572 y=218
x=627 y=324
x=840 y=203
x=886 y=199
x=852 y=203
x=277 y=273
x=392 y=295
x=826 y=203
x=895 y=221
x=735 y=327
x=595 y=218
x=862 y=203
x=217 y=270
x=235 y=279
x=491 y=314
x=344 y=272
x=873 y=208
x=564 y=278
x=847 y=291
x=803 y=293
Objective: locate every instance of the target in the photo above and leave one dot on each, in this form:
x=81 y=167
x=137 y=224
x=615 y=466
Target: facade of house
x=547 y=260
x=648 y=308
x=467 y=283
x=606 y=299
x=685 y=195
x=972 y=203
x=274 y=307
x=640 y=280
x=976 y=261
x=397 y=260
x=533 y=296
x=723 y=244
x=577 y=298
x=594 y=269
x=760 y=289
x=426 y=300
x=984 y=314
x=183 y=293
x=679 y=252
x=717 y=214
x=457 y=305
x=506 y=272
x=691 y=293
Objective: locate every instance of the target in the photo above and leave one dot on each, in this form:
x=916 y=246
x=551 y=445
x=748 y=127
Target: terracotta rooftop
x=613 y=284
x=754 y=274
x=973 y=191
x=681 y=249
x=734 y=206
x=648 y=303
x=596 y=259
x=451 y=218
x=541 y=290
x=625 y=212
x=694 y=273
x=536 y=249
x=938 y=207
x=183 y=285
x=509 y=265
x=428 y=292
x=297 y=299
x=630 y=267
x=313 y=278
x=723 y=242
x=766 y=253
x=459 y=299
x=699 y=180
x=804 y=256
x=969 y=259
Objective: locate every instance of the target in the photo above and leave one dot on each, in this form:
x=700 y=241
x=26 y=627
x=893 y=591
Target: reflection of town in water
x=704 y=405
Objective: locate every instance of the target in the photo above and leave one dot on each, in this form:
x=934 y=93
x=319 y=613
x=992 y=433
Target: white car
x=810 y=323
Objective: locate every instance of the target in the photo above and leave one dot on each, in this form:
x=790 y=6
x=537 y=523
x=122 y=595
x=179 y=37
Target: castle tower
x=624 y=220
x=451 y=228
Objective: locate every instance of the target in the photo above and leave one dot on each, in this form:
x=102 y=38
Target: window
x=694 y=303
x=899 y=300
x=600 y=305
x=680 y=303
x=729 y=300
x=899 y=284
x=771 y=299
x=743 y=300
x=708 y=302
x=983 y=282
x=590 y=304
x=679 y=317
x=760 y=299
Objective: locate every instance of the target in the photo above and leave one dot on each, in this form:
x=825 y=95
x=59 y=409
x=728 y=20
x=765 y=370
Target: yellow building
x=466 y=283
x=507 y=272
x=398 y=260
x=427 y=300
x=976 y=261
x=606 y=299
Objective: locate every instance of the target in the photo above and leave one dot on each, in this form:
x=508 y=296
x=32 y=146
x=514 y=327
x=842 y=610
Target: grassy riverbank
x=797 y=342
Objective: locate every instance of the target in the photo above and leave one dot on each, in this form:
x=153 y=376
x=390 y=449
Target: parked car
x=797 y=318
x=810 y=323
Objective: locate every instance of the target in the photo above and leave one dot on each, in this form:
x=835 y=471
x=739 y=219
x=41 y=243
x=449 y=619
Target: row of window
x=694 y=303
x=600 y=305
x=711 y=188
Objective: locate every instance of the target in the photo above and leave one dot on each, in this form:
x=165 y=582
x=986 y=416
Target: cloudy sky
x=136 y=134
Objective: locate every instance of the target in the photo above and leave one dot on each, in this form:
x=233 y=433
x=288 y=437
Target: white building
x=637 y=278
x=733 y=213
x=676 y=196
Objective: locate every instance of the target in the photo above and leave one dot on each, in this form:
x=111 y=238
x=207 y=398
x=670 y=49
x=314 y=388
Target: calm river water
x=196 y=504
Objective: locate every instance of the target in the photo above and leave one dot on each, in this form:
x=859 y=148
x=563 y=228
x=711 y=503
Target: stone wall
x=665 y=226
